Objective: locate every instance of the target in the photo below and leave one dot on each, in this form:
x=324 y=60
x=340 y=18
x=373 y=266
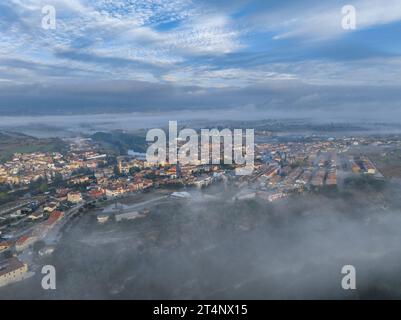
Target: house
x=46 y=251
x=24 y=242
x=4 y=245
x=115 y=191
x=147 y=183
x=54 y=218
x=74 y=197
x=96 y=193
x=62 y=193
x=128 y=216
x=102 y=218
x=203 y=181
x=50 y=207
x=12 y=270
x=245 y=196
x=181 y=195
x=36 y=215
x=135 y=186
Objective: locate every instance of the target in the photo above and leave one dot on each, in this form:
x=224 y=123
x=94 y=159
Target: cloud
x=291 y=97
x=113 y=34
x=217 y=49
x=321 y=21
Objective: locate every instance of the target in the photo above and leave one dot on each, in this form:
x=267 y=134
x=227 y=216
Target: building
x=12 y=270
x=128 y=216
x=54 y=218
x=354 y=166
x=102 y=218
x=50 y=207
x=318 y=178
x=305 y=177
x=181 y=195
x=331 y=179
x=203 y=181
x=271 y=171
x=4 y=245
x=74 y=197
x=244 y=196
x=115 y=191
x=62 y=193
x=96 y=193
x=24 y=242
x=369 y=166
x=36 y=215
x=276 y=196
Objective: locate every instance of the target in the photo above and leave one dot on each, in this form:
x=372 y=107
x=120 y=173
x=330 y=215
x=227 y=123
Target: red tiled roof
x=22 y=240
x=54 y=217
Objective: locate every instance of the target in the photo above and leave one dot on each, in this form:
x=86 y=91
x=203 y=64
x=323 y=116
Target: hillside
x=11 y=143
x=120 y=141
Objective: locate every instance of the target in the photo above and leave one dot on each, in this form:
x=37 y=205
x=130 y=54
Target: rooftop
x=10 y=265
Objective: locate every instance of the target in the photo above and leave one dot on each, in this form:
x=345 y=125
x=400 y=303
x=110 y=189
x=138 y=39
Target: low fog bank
x=76 y=125
x=235 y=250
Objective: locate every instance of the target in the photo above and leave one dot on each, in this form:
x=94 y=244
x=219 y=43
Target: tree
x=4 y=197
x=134 y=170
x=58 y=180
x=40 y=244
x=116 y=171
x=43 y=187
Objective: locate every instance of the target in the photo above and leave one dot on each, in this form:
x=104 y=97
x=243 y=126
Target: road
x=128 y=208
x=54 y=234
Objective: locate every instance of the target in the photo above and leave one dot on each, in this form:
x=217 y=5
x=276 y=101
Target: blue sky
x=185 y=54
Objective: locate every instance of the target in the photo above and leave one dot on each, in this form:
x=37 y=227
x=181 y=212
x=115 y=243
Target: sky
x=154 y=55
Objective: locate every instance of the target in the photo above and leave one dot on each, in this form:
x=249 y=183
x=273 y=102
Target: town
x=42 y=191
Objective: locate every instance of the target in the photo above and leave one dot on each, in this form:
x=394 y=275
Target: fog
x=76 y=125
x=213 y=248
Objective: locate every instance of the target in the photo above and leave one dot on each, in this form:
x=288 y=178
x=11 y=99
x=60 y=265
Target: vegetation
x=5 y=197
x=120 y=141
x=38 y=186
x=365 y=182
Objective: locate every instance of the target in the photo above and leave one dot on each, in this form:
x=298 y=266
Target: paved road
x=134 y=206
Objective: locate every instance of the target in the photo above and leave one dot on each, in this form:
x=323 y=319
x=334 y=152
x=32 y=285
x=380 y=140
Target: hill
x=11 y=142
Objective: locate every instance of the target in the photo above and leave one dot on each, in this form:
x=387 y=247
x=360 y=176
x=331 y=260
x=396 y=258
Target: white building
x=74 y=197
x=102 y=218
x=128 y=216
x=181 y=195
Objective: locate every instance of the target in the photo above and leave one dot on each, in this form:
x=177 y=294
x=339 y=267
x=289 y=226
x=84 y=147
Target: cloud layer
x=144 y=55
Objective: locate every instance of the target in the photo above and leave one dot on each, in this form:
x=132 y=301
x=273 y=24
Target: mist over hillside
x=235 y=250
